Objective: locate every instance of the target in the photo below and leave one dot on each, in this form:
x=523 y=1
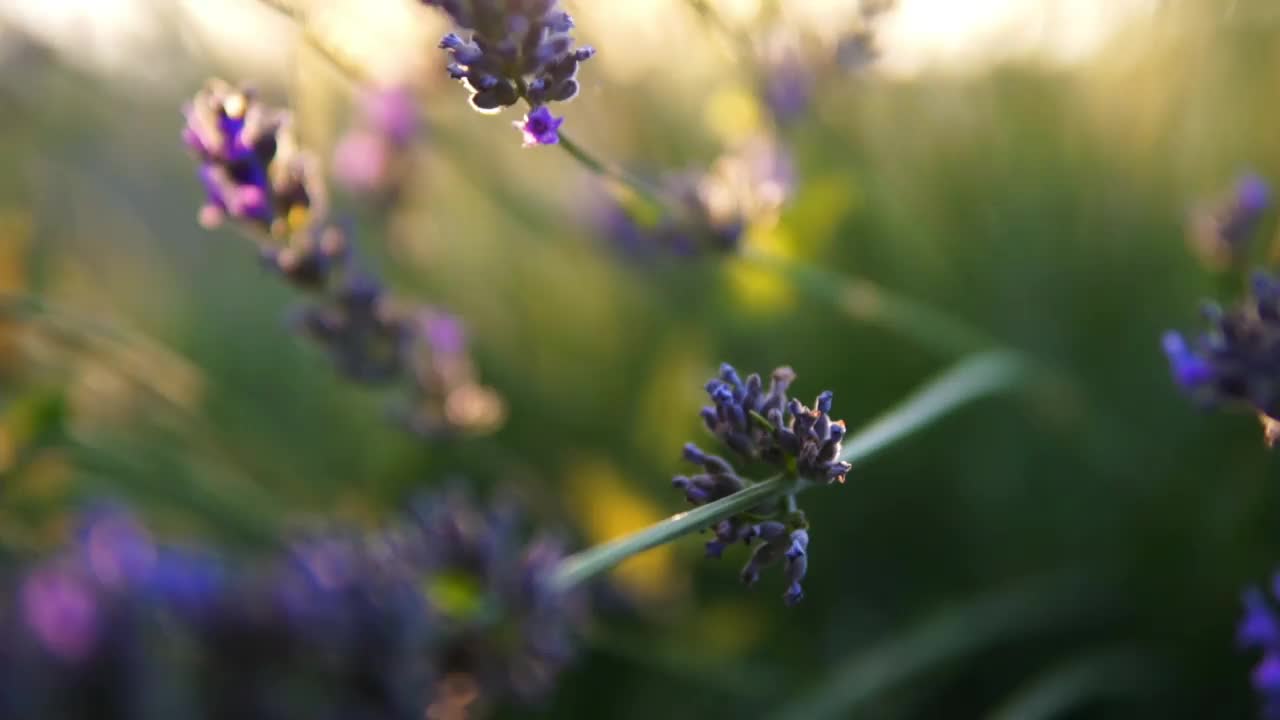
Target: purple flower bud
x=540 y=127
x=62 y=612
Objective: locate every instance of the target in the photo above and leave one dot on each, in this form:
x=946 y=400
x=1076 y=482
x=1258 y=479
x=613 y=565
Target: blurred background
x=1032 y=167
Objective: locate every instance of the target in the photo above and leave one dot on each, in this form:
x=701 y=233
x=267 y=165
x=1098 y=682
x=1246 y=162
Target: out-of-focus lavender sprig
x=336 y=624
x=706 y=211
x=372 y=158
x=763 y=424
x=1220 y=232
x=251 y=167
x=505 y=625
x=369 y=337
x=1236 y=362
x=1259 y=630
x=518 y=50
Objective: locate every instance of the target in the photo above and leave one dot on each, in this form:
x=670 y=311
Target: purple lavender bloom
x=795 y=566
x=393 y=113
x=1220 y=233
x=1236 y=362
x=540 y=127
x=509 y=628
x=744 y=188
x=371 y=157
x=762 y=424
x=777 y=542
x=1259 y=629
x=517 y=50
x=250 y=166
x=362 y=333
x=62 y=610
x=311 y=259
x=377 y=624
x=788 y=85
x=446 y=396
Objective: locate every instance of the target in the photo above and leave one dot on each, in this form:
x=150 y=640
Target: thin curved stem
x=582 y=566
x=616 y=174
x=868 y=302
x=970 y=379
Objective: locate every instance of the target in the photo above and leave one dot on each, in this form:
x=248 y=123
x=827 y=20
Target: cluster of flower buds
x=712 y=210
x=505 y=624
x=1260 y=630
x=519 y=49
x=784 y=538
x=387 y=624
x=366 y=338
x=350 y=316
x=1219 y=233
x=1237 y=361
x=762 y=424
x=447 y=394
x=250 y=164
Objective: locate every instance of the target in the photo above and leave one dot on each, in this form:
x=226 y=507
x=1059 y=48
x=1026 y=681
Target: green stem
x=585 y=565
x=868 y=302
x=968 y=380
x=599 y=168
x=978 y=375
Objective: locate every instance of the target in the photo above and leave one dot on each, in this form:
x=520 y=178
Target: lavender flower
x=371 y=157
x=518 y=49
x=363 y=334
x=1237 y=361
x=1259 y=629
x=446 y=395
x=339 y=623
x=713 y=209
x=540 y=127
x=1220 y=233
x=311 y=258
x=510 y=631
x=250 y=165
x=762 y=424
x=247 y=149
x=779 y=542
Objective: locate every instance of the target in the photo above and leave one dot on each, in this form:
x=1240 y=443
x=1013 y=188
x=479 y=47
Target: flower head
x=1220 y=232
x=516 y=50
x=446 y=394
x=744 y=188
x=490 y=589
x=760 y=423
x=374 y=624
x=1237 y=360
x=540 y=127
x=360 y=330
x=250 y=165
x=1258 y=630
x=371 y=158
x=311 y=259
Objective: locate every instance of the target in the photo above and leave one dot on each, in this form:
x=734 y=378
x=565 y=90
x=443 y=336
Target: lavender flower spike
x=761 y=423
x=1220 y=232
x=250 y=165
x=1260 y=629
x=1236 y=362
x=517 y=50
